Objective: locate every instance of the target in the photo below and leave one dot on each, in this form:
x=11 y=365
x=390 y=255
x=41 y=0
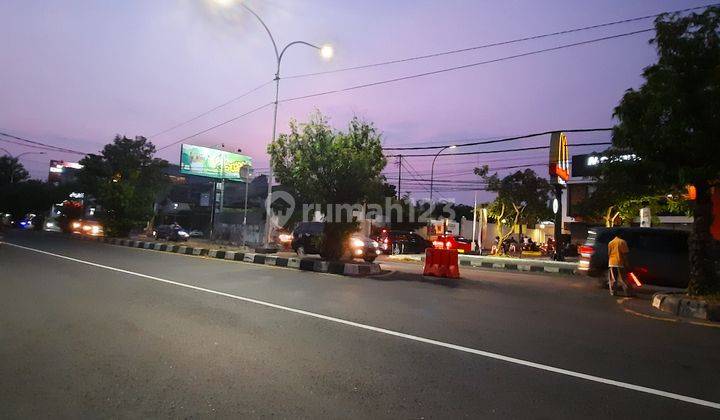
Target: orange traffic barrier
x=441 y=263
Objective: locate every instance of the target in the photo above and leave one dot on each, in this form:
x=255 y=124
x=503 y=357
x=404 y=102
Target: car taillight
x=586 y=251
x=635 y=279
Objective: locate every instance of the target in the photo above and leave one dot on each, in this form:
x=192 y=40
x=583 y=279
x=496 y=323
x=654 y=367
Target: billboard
x=212 y=163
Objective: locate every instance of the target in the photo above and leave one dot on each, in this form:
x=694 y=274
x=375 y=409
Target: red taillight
x=586 y=251
x=635 y=279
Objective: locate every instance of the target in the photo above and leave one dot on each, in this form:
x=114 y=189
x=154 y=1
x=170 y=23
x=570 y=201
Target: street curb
x=303 y=264
x=510 y=264
x=686 y=307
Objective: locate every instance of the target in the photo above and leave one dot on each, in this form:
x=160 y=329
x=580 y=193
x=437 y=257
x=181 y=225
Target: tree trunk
x=703 y=279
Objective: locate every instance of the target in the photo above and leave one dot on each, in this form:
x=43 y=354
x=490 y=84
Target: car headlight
x=183 y=234
x=76 y=225
x=284 y=237
x=375 y=244
x=96 y=229
x=357 y=243
x=49 y=224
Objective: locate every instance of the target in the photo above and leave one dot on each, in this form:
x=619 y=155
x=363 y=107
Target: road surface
x=95 y=330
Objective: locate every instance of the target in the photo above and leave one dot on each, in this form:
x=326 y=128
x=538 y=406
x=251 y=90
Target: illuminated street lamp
x=432 y=168
x=326 y=51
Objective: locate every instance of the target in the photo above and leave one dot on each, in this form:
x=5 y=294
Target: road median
x=302 y=264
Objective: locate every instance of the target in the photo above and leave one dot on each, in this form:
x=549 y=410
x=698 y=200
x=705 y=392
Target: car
x=397 y=242
x=51 y=225
x=86 y=227
x=173 y=232
x=306 y=238
x=657 y=256
x=462 y=244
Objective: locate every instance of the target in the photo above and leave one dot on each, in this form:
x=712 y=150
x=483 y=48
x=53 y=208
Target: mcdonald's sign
x=559 y=158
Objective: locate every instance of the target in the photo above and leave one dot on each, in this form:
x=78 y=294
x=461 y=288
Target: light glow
x=327 y=51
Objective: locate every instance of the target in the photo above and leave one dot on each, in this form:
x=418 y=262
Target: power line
x=465 y=66
x=38 y=144
x=496 y=44
x=212 y=109
x=502 y=151
x=502 y=140
x=216 y=126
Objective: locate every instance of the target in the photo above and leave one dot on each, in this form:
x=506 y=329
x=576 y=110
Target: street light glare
x=327 y=52
x=224 y=3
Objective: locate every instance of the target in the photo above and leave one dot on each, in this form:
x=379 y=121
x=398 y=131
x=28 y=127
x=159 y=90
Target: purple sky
x=76 y=72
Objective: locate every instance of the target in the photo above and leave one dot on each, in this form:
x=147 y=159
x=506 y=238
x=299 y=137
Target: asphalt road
x=123 y=332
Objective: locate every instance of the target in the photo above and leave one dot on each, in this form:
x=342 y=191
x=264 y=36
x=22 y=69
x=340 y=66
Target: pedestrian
x=617 y=266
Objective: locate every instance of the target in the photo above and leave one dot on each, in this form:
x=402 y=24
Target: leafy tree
x=324 y=166
x=31 y=196
x=11 y=171
x=522 y=198
x=125 y=179
x=672 y=123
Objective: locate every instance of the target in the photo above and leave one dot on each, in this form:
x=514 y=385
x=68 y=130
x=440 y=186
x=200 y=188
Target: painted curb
x=510 y=264
x=686 y=307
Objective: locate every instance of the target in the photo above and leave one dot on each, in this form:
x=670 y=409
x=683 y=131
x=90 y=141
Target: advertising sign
x=559 y=158
x=212 y=163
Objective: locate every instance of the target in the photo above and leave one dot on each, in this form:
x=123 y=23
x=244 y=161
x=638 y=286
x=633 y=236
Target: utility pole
x=399 y=164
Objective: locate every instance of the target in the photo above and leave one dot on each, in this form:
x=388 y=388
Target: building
x=62 y=173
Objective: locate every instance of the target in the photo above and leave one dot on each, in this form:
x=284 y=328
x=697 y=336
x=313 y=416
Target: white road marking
x=464 y=349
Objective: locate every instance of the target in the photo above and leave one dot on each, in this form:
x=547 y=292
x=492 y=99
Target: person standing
x=618 y=251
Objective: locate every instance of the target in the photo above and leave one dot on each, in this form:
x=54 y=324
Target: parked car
x=196 y=233
x=307 y=236
x=173 y=232
x=402 y=242
x=462 y=244
x=657 y=256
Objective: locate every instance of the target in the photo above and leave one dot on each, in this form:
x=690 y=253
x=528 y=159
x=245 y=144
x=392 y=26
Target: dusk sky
x=75 y=73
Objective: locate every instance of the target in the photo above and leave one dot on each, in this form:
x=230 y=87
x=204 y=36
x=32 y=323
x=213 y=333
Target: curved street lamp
x=432 y=168
x=326 y=51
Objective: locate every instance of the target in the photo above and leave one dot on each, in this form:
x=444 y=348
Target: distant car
x=51 y=225
x=86 y=227
x=172 y=232
x=398 y=242
x=657 y=256
x=196 y=233
x=462 y=244
x=306 y=238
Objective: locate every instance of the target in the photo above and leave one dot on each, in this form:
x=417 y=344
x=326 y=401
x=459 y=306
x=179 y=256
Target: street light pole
x=326 y=52
x=432 y=168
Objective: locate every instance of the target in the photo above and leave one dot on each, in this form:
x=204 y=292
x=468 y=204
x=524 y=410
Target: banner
x=212 y=163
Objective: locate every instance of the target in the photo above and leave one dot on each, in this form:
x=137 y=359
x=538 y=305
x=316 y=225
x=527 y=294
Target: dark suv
x=306 y=238
x=172 y=232
x=403 y=242
x=657 y=256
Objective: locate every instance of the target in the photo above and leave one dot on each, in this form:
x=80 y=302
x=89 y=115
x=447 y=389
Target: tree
x=125 y=179
x=31 y=196
x=522 y=198
x=324 y=166
x=671 y=123
x=11 y=171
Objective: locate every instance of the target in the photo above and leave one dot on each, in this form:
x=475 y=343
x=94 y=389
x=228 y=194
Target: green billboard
x=213 y=163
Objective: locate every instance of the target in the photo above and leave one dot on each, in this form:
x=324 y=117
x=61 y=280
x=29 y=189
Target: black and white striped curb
x=512 y=264
x=304 y=264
